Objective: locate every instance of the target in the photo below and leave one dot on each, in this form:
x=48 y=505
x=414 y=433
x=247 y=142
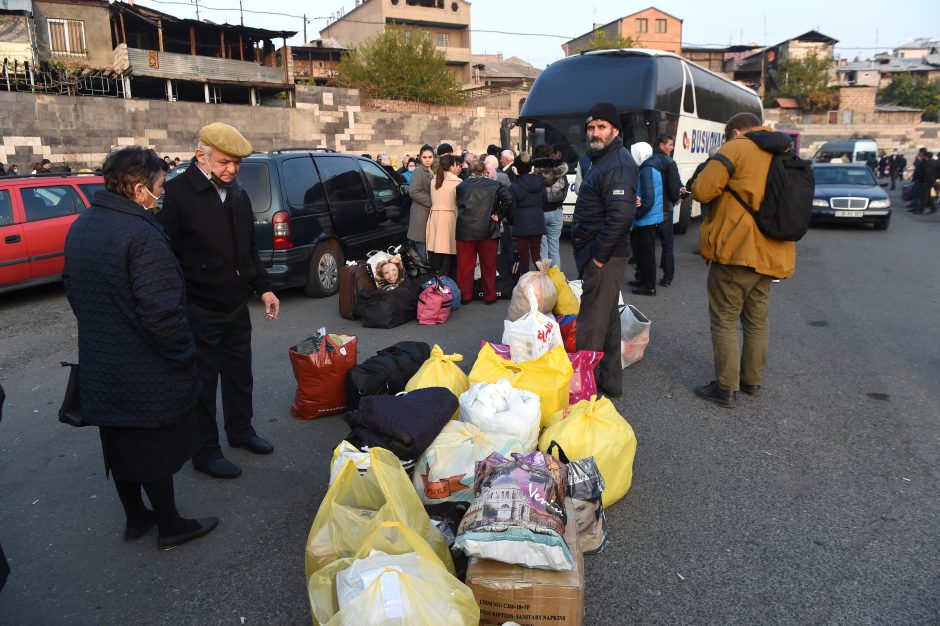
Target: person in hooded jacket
x=554 y=173
x=481 y=204
x=527 y=215
x=649 y=215
x=743 y=261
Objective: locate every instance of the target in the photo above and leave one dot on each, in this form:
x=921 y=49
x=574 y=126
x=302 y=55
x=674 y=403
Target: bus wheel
x=685 y=214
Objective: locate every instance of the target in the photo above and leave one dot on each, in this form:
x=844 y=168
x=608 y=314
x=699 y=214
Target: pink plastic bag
x=583 y=384
x=434 y=303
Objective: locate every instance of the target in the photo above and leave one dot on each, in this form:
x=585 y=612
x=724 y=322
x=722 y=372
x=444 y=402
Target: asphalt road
x=815 y=503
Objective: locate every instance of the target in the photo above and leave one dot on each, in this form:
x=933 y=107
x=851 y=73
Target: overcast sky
x=537 y=29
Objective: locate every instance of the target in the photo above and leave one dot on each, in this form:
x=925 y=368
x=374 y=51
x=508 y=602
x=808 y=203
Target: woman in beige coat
x=442 y=222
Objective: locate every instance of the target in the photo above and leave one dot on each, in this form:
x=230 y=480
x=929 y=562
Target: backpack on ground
x=787 y=208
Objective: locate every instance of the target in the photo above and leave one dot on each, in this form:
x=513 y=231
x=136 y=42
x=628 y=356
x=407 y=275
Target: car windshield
x=844 y=176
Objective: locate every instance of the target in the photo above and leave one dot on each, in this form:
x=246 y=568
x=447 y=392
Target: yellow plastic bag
x=355 y=504
x=391 y=538
x=595 y=428
x=440 y=370
x=430 y=597
x=548 y=377
x=568 y=303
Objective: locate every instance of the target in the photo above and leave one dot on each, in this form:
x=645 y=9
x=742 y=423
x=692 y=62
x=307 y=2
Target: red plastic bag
x=321 y=377
x=568 y=325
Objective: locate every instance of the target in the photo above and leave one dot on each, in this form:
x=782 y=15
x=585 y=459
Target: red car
x=35 y=215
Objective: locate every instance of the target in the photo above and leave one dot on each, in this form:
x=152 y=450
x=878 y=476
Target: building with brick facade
x=651 y=28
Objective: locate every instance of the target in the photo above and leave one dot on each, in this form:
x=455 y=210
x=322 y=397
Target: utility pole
x=197 y=9
x=305 y=29
x=241 y=15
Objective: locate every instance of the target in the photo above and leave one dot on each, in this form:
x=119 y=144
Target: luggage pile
x=470 y=498
x=392 y=288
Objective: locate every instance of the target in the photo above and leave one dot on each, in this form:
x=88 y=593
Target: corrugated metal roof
x=17 y=5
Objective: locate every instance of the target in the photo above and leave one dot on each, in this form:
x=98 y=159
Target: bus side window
x=688 y=101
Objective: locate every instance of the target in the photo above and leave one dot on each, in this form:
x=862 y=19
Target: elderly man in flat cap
x=209 y=220
x=603 y=215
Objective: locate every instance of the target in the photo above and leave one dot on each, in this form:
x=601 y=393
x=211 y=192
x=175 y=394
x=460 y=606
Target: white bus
x=656 y=93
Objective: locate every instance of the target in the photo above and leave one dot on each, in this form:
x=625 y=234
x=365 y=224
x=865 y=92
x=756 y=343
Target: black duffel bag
x=387 y=372
x=388 y=309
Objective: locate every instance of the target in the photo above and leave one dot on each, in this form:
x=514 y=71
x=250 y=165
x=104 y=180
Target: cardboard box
x=531 y=597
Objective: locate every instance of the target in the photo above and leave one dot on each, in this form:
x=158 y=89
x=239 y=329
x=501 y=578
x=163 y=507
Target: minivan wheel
x=685 y=214
x=323 y=275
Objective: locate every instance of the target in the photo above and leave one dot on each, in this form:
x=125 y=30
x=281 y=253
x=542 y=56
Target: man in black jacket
x=602 y=218
x=210 y=222
x=673 y=191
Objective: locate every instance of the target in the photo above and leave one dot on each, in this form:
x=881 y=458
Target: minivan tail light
x=283 y=233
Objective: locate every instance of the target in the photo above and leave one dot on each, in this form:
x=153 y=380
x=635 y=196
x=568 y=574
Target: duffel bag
x=388 y=309
x=387 y=372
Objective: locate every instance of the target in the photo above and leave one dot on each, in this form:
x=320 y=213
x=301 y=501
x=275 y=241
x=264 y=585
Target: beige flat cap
x=225 y=138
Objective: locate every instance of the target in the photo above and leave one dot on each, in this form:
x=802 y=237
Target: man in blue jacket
x=602 y=218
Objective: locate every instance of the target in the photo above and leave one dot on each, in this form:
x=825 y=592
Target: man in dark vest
x=208 y=218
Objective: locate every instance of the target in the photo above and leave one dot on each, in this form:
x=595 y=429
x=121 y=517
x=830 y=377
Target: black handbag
x=71 y=410
x=388 y=309
x=416 y=264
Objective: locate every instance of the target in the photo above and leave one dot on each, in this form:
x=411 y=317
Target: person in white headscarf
x=649 y=215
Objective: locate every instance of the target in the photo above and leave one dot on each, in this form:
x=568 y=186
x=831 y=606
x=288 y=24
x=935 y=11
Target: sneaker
x=713 y=393
x=664 y=283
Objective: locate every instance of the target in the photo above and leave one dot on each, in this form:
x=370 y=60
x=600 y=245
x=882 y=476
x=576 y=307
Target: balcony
x=203 y=69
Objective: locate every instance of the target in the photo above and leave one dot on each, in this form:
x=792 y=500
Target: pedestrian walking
x=603 y=215
x=527 y=215
x=743 y=261
x=917 y=183
x=929 y=175
x=139 y=383
x=649 y=216
x=208 y=217
x=896 y=165
x=481 y=203
x=442 y=221
x=420 y=191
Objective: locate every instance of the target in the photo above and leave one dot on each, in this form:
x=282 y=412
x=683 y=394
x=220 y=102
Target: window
x=67 y=37
x=90 y=189
x=660 y=26
x=256 y=179
x=304 y=188
x=43 y=203
x=342 y=179
x=642 y=25
x=6 y=208
x=383 y=187
x=442 y=40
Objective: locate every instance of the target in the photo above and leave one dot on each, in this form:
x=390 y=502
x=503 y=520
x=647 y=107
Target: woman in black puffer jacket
x=528 y=215
x=137 y=353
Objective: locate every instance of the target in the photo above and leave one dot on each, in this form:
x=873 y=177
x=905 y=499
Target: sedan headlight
x=879 y=204
x=820 y=202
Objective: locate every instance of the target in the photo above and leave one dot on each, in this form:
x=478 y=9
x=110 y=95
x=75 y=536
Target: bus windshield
x=567 y=134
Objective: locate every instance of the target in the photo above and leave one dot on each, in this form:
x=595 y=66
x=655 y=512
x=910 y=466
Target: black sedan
x=849 y=193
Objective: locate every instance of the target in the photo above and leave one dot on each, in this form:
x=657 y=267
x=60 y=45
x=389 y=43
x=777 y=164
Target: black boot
x=714 y=393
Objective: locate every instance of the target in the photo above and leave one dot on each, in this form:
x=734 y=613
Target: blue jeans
x=668 y=260
x=553 y=223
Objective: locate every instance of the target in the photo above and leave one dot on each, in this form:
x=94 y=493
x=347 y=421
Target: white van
x=850 y=151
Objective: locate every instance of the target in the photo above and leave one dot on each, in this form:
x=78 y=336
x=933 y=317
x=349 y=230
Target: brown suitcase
x=353 y=280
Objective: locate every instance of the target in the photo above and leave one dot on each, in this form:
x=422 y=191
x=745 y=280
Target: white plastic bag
x=546 y=294
x=353 y=581
x=634 y=335
x=344 y=452
x=444 y=472
x=500 y=408
x=533 y=334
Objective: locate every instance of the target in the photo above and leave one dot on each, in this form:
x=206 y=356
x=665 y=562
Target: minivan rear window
x=342 y=179
x=256 y=179
x=303 y=183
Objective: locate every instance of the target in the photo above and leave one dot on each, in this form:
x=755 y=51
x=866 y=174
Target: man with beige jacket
x=743 y=261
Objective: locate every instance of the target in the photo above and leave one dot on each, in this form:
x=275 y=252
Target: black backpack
x=787 y=208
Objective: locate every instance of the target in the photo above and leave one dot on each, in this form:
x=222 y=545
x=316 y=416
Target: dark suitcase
x=353 y=280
